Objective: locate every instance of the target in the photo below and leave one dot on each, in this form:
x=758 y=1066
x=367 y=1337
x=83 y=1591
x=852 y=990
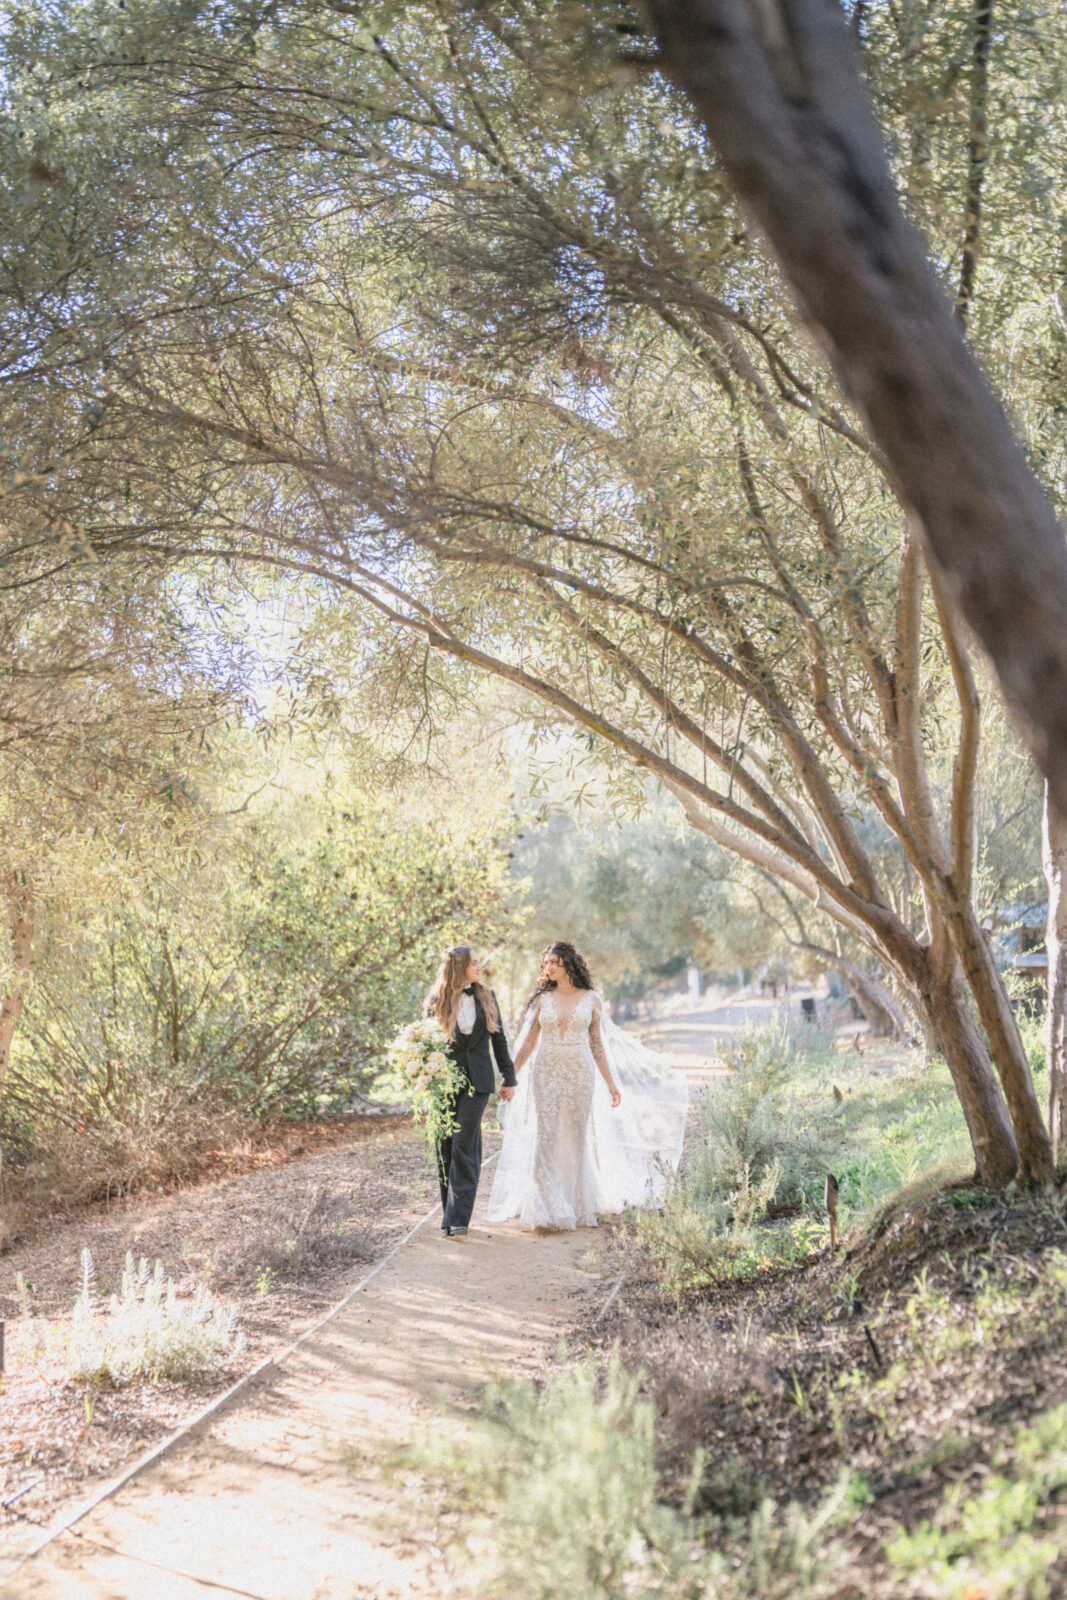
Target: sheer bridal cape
x=566 y=1154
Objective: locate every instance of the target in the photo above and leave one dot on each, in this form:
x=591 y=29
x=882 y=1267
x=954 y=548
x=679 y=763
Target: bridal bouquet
x=420 y=1053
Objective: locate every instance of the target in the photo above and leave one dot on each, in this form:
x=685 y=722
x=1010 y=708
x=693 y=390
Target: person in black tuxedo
x=467 y=1010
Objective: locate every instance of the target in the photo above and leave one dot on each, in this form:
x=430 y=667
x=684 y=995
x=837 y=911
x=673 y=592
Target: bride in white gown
x=597 y=1121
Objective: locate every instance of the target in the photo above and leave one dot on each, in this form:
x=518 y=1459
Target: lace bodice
x=562 y=1074
x=565 y=1026
x=576 y=1026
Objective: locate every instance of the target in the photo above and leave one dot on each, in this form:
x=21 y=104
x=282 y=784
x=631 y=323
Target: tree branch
x=778 y=89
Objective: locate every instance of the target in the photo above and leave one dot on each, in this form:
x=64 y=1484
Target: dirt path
x=692 y=1037
x=257 y=1503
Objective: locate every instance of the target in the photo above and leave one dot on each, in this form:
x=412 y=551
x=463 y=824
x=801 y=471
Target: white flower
x=436 y=1060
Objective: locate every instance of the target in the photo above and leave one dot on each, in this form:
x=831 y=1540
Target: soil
x=880 y=1358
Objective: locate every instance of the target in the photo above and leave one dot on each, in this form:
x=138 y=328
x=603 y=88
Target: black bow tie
x=470 y=990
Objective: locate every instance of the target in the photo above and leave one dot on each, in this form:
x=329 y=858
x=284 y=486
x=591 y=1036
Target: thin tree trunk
x=885 y=1021
x=879 y=1008
x=982 y=24
x=1005 y=1045
x=20 y=927
x=945 y=1002
x=777 y=85
x=1054 y=851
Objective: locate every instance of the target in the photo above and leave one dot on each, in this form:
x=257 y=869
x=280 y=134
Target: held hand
x=616 y=1098
x=506 y=1093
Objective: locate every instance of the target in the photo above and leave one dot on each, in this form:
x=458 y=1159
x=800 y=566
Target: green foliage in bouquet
x=420 y=1054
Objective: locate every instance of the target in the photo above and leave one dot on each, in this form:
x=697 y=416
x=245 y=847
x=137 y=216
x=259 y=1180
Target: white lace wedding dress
x=567 y=1154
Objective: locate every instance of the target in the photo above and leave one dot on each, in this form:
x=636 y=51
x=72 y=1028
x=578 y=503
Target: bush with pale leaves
x=147 y=1331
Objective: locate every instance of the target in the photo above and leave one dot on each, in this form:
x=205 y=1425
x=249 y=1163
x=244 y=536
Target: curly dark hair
x=575 y=965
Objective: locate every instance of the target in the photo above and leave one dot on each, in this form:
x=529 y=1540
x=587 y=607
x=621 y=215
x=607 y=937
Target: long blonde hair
x=443 y=999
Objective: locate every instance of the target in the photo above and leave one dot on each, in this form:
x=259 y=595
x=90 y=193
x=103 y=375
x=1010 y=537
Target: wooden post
x=830 y=1202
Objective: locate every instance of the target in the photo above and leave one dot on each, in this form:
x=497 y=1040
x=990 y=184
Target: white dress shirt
x=467 y=1015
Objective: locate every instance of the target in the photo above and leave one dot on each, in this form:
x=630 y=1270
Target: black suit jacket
x=472 y=1052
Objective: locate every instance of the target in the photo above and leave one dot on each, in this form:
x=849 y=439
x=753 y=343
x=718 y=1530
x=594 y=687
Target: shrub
x=749 y=1153
x=144 y=1138
x=584 y=1496
x=146 y=1331
x=561 y=1484
x=310 y=1233
x=781 y=1553
x=220 y=980
x=1001 y=1542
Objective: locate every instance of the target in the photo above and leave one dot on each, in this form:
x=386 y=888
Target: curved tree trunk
x=778 y=89
x=1054 y=851
x=884 y=1018
x=1005 y=1046
x=945 y=1002
x=879 y=1008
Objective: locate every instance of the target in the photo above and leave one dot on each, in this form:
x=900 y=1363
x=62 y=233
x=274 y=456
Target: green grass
x=898 y=1122
x=997 y=1544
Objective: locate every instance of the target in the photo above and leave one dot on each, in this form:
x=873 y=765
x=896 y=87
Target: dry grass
x=302 y=1235
x=73 y=1166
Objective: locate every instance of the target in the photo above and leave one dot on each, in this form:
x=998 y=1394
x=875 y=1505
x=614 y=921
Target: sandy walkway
x=257 y=1504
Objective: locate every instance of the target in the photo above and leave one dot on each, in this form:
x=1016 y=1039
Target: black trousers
x=459 y=1160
